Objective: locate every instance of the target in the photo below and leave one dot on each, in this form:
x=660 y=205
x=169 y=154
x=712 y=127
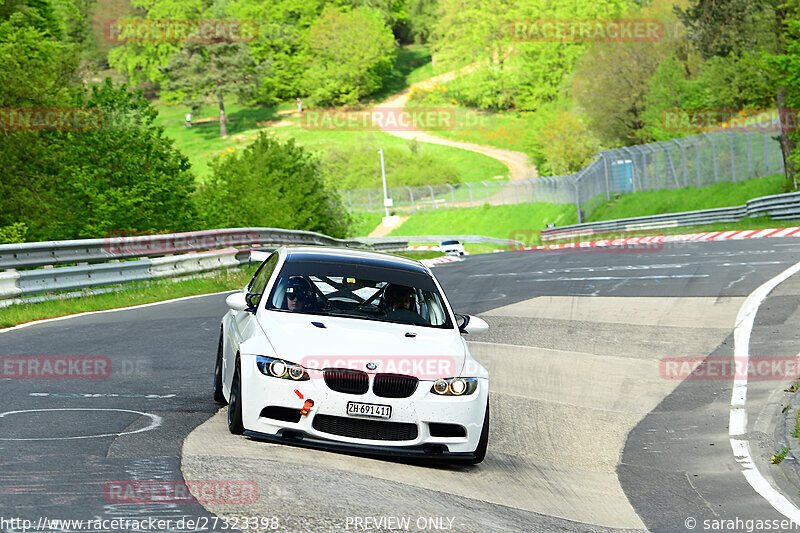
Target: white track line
x=738 y=418
x=67 y=317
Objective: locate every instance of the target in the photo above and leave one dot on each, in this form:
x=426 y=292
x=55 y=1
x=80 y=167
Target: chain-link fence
x=698 y=161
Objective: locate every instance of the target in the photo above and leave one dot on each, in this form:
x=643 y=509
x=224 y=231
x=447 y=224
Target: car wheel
x=219 y=397
x=483 y=442
x=235 y=405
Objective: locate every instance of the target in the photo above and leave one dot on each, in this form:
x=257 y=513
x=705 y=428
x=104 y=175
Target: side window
x=261 y=278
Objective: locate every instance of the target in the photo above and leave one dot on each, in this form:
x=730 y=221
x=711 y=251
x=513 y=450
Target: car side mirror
x=471 y=324
x=239 y=301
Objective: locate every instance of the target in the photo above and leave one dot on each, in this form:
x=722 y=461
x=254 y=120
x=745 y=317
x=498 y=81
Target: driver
x=400 y=304
x=299 y=296
x=398 y=297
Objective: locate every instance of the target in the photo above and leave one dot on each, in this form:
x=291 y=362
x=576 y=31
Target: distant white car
x=340 y=348
x=452 y=248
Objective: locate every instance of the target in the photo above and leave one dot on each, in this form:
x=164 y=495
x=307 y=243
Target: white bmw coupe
x=344 y=349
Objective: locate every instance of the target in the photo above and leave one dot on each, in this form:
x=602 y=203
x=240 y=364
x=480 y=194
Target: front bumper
x=421 y=409
x=433 y=452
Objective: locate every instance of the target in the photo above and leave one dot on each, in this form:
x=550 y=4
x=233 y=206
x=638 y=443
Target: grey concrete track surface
x=573 y=352
x=682 y=447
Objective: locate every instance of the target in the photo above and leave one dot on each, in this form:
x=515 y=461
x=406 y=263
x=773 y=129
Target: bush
x=352 y=51
x=271 y=184
x=123 y=176
x=13 y=234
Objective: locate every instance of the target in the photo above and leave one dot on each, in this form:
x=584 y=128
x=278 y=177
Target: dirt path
x=517 y=162
x=383 y=231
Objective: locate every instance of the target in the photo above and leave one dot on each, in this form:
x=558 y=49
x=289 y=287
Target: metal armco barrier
x=35 y=254
x=104 y=262
x=778 y=206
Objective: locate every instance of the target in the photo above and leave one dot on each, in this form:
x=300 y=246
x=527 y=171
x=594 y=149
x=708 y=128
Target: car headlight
x=454 y=386
x=278 y=368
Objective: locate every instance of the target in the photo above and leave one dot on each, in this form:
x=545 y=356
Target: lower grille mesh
x=357 y=428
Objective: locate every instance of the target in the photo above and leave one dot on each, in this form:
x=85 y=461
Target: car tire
x=483 y=442
x=219 y=397
x=235 y=424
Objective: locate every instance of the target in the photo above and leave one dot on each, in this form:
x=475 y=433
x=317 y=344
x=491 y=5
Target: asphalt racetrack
x=592 y=429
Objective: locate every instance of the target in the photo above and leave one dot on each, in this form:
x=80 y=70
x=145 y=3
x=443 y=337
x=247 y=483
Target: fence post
x=766 y=154
x=605 y=171
x=349 y=201
x=470 y=193
x=671 y=165
x=683 y=159
x=452 y=196
x=433 y=200
x=488 y=201
x=655 y=166
x=749 y=156
x=733 y=160
x=411 y=195
x=578 y=200
x=713 y=155
x=696 y=157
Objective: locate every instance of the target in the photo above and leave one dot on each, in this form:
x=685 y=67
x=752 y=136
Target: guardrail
x=116 y=260
x=35 y=254
x=778 y=206
x=14 y=284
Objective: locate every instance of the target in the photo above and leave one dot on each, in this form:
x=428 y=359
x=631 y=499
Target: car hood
x=355 y=343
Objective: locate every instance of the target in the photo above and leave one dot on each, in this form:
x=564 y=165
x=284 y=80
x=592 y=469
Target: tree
x=612 y=80
x=567 y=144
x=271 y=184
x=512 y=69
x=282 y=41
x=142 y=61
x=787 y=59
x=737 y=29
x=420 y=21
x=351 y=51
x=215 y=70
x=121 y=176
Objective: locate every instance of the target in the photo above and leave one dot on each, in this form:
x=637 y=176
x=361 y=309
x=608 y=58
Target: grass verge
x=687 y=199
x=492 y=221
x=129 y=295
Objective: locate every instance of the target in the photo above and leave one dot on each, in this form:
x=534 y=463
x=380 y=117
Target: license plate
x=369 y=409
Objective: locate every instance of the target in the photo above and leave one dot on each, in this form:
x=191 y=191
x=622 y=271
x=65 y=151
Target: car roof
x=349 y=255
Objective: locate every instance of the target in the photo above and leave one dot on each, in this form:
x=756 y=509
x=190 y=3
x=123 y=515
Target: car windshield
x=359 y=291
x=445 y=243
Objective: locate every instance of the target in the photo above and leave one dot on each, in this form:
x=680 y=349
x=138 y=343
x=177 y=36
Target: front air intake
x=346 y=380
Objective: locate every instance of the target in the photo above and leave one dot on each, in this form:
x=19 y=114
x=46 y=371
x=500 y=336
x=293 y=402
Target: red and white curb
x=422 y=247
x=439 y=260
x=659 y=239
